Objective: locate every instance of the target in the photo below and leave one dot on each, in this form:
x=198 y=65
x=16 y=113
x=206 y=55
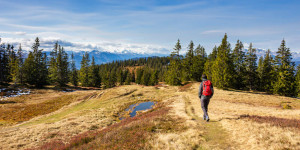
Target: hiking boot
x=207 y=118
x=204 y=118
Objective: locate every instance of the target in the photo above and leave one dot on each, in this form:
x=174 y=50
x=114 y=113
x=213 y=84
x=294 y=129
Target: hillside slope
x=239 y=120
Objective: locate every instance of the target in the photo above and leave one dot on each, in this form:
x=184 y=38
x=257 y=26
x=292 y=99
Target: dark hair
x=204 y=76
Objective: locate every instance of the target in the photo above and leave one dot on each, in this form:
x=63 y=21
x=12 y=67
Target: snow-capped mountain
x=262 y=52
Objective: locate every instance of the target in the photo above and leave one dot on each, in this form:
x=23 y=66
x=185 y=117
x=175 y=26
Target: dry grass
x=185 y=87
x=100 y=110
x=130 y=133
x=25 y=107
x=274 y=121
x=257 y=99
x=92 y=123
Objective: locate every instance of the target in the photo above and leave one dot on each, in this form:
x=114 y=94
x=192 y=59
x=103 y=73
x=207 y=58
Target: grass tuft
x=280 y=122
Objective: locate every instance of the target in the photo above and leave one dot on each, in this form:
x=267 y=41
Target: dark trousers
x=204 y=104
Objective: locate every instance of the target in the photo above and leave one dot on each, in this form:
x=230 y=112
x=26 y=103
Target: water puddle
x=132 y=110
x=6 y=93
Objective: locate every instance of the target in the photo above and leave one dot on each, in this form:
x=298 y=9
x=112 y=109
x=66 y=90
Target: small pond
x=138 y=107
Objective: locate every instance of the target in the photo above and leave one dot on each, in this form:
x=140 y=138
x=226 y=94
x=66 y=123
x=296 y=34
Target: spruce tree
x=238 y=57
x=173 y=76
x=145 y=80
x=63 y=67
x=36 y=72
x=260 y=73
x=74 y=74
x=251 y=67
x=59 y=66
x=13 y=65
x=199 y=61
x=20 y=61
x=53 y=66
x=268 y=72
x=128 y=79
x=29 y=69
x=4 y=73
x=298 y=81
x=120 y=77
x=222 y=69
x=153 y=78
x=84 y=70
x=94 y=77
x=187 y=71
x=209 y=63
x=139 y=74
x=285 y=79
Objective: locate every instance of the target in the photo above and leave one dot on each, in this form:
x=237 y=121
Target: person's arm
x=212 y=90
x=200 y=90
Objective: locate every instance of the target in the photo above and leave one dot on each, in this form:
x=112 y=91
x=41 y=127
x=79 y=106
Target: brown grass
x=130 y=133
x=24 y=108
x=185 y=87
x=94 y=124
x=280 y=122
x=257 y=99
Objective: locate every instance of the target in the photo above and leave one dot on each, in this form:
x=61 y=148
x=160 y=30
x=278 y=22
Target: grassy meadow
x=89 y=119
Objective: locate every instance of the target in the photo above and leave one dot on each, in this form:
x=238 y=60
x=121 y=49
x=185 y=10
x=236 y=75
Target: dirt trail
x=226 y=130
x=243 y=133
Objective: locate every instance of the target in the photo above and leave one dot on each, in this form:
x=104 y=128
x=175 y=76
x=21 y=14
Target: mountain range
x=102 y=57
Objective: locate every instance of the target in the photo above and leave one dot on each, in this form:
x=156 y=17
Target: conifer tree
x=251 y=67
x=146 y=76
x=53 y=66
x=4 y=64
x=222 y=69
x=128 y=79
x=173 y=76
x=259 y=73
x=36 y=66
x=84 y=70
x=74 y=74
x=209 y=63
x=153 y=78
x=13 y=65
x=95 y=80
x=298 y=81
x=139 y=74
x=132 y=76
x=199 y=61
x=268 y=72
x=175 y=53
x=20 y=61
x=238 y=57
x=187 y=71
x=285 y=79
x=120 y=77
x=63 y=67
x=29 y=69
x=59 y=66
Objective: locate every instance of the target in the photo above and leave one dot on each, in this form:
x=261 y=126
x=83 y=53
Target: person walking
x=206 y=91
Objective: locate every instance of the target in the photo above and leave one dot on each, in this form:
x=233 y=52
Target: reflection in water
x=139 y=107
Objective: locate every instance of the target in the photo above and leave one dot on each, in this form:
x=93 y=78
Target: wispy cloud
x=48 y=43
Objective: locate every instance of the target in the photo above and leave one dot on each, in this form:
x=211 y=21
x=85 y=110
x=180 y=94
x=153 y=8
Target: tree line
x=226 y=68
x=237 y=69
x=58 y=69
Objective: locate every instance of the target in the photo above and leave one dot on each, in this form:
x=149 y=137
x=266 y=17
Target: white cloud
x=108 y=46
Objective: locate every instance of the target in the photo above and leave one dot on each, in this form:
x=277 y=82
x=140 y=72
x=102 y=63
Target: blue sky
x=150 y=26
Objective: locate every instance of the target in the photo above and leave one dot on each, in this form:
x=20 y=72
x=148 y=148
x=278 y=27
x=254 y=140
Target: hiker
x=206 y=91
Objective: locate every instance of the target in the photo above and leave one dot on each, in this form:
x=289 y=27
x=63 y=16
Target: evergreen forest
x=228 y=67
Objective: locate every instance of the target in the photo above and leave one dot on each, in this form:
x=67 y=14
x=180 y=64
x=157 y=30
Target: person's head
x=204 y=76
